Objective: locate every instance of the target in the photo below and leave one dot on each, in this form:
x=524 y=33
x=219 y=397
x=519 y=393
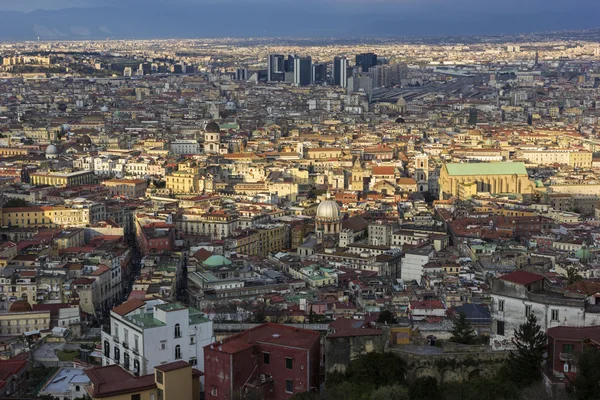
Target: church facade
x=494 y=178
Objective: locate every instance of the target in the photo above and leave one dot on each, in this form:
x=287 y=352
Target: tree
x=587 y=381
x=386 y=316
x=573 y=276
x=16 y=203
x=462 y=332
x=367 y=370
x=311 y=316
x=524 y=366
x=425 y=388
x=395 y=392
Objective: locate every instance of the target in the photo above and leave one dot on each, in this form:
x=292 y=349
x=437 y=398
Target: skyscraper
x=366 y=61
x=275 y=67
x=302 y=71
x=241 y=74
x=340 y=71
x=319 y=72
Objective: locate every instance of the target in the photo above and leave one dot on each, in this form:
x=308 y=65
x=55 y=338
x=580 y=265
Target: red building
x=564 y=342
x=271 y=361
x=155 y=238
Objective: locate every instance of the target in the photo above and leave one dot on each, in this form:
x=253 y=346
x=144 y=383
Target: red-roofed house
x=426 y=309
x=13 y=375
x=273 y=361
x=564 y=343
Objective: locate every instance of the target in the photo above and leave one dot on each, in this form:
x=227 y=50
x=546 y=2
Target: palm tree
x=573 y=275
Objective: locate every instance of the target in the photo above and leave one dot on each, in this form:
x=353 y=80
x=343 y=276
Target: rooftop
x=496 y=168
x=522 y=277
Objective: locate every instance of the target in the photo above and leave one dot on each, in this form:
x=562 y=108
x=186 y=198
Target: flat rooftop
x=60 y=382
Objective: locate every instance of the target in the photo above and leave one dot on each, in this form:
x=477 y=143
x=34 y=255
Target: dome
x=104 y=109
x=400 y=120
x=51 y=150
x=328 y=209
x=230 y=106
x=20 y=306
x=216 y=261
x=401 y=101
x=212 y=127
x=583 y=253
x=85 y=139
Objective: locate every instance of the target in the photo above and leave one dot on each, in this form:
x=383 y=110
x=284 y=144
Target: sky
x=214 y=18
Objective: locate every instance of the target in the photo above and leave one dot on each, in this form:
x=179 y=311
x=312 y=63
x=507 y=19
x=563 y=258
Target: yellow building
x=63 y=179
x=177 y=380
x=21 y=318
x=71 y=238
x=182 y=182
x=496 y=177
x=466 y=190
x=260 y=242
x=48 y=216
x=324 y=152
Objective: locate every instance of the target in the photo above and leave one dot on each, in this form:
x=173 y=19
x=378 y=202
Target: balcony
x=566 y=356
x=116 y=339
x=136 y=351
x=125 y=345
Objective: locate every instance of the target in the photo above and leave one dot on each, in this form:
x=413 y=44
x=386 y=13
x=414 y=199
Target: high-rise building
x=275 y=68
x=302 y=71
x=127 y=71
x=319 y=72
x=340 y=71
x=241 y=74
x=360 y=83
x=366 y=61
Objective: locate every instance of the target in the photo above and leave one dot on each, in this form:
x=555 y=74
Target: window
x=213 y=392
x=266 y=358
x=289 y=363
x=527 y=311
x=117 y=355
x=193 y=361
x=126 y=360
x=159 y=376
x=163 y=345
x=289 y=386
x=500 y=328
x=77 y=388
x=177 y=352
x=177 y=331
x=500 y=305
x=136 y=396
x=567 y=348
x=161 y=396
x=192 y=340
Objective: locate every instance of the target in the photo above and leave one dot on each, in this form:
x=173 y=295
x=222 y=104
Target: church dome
x=328 y=209
x=20 y=306
x=216 y=261
x=583 y=253
x=212 y=127
x=85 y=139
x=51 y=150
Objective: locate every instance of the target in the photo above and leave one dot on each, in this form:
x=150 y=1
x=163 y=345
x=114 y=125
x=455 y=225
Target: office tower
x=163 y=69
x=366 y=61
x=289 y=63
x=340 y=71
x=275 y=68
x=302 y=71
x=241 y=74
x=127 y=71
x=360 y=83
x=319 y=72
x=146 y=67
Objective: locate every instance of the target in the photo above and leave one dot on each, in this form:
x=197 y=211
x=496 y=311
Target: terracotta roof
x=268 y=333
x=585 y=287
x=173 y=366
x=522 y=277
x=382 y=171
x=575 y=333
x=128 y=307
x=426 y=305
x=113 y=380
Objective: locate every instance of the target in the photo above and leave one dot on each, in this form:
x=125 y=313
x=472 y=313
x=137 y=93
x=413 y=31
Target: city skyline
x=81 y=19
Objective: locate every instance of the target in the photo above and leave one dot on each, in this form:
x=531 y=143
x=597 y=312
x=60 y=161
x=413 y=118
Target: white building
x=518 y=294
x=183 y=147
x=413 y=262
x=144 y=334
